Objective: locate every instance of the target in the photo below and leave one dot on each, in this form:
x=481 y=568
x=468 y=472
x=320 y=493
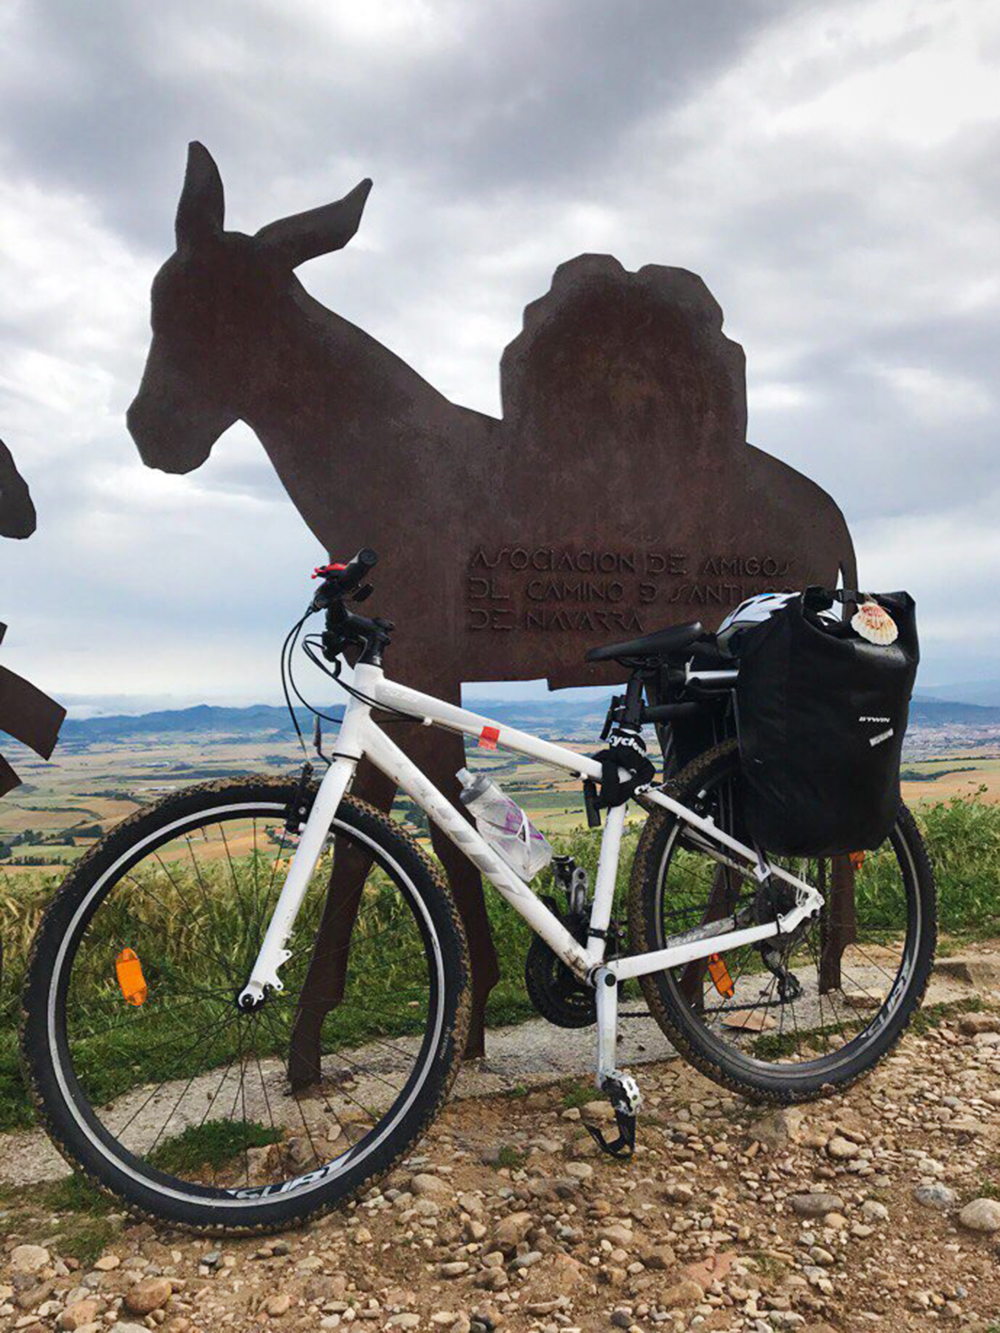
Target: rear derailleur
x=774 y=899
x=559 y=996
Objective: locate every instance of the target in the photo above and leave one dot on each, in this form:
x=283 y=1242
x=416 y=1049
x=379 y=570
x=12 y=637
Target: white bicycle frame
x=360 y=736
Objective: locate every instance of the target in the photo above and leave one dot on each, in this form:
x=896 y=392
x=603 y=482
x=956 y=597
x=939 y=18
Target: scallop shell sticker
x=874 y=623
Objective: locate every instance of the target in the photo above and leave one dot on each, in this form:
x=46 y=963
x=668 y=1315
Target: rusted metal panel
x=29 y=715
x=616 y=495
x=25 y=712
x=838 y=924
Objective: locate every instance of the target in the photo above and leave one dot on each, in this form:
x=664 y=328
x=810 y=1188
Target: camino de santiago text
x=553 y=588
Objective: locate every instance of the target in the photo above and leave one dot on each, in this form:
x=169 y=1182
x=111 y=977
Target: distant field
x=63 y=805
x=955 y=775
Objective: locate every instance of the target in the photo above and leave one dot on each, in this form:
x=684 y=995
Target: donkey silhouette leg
x=838 y=925
x=323 y=988
x=440 y=756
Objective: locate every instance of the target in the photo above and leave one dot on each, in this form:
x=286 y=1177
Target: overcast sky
x=832 y=170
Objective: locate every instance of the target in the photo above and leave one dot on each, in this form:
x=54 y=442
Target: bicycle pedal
x=624 y=1145
x=623 y=1093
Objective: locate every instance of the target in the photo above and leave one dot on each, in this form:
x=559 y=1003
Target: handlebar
x=342 y=579
x=344 y=628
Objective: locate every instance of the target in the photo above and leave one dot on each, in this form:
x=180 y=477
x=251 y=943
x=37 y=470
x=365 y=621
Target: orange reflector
x=857 y=859
x=130 y=977
x=721 y=979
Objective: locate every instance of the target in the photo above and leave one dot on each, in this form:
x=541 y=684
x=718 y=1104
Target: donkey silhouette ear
x=306 y=235
x=202 y=206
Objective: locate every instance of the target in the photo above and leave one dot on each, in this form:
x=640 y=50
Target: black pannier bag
x=821 y=719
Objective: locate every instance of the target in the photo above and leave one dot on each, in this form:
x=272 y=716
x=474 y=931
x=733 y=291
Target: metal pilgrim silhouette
x=616 y=495
x=25 y=712
x=17 y=512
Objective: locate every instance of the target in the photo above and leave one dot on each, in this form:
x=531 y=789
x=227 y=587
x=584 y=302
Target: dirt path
x=530 y=1054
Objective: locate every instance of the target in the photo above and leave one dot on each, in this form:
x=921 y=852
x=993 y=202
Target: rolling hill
x=545 y=715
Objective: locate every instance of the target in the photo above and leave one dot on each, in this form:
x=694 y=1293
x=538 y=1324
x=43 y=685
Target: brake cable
x=290 y=686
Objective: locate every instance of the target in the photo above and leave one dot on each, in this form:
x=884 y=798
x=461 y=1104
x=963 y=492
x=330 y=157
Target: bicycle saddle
x=663 y=643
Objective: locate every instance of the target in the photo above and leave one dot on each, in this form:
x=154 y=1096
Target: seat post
x=633 y=701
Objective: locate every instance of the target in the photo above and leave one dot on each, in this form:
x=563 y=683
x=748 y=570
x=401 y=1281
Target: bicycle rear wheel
x=809 y=1024
x=150 y=1077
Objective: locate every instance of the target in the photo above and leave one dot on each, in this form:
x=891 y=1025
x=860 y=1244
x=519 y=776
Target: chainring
x=554 y=991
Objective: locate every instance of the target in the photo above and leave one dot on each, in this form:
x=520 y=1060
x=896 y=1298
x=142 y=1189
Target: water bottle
x=504 y=825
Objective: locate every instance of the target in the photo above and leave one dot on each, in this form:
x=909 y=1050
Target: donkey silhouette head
x=218 y=304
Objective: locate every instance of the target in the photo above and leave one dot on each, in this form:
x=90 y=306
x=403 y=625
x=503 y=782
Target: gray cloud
x=831 y=170
x=476 y=98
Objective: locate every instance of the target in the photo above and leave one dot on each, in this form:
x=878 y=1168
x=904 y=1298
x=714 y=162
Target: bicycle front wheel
x=150 y=1077
x=797 y=1019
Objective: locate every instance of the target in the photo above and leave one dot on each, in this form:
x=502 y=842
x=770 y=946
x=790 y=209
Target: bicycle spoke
x=200 y=1083
x=213 y=1030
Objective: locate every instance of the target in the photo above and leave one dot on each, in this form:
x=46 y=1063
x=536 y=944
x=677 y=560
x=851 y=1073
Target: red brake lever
x=322 y=570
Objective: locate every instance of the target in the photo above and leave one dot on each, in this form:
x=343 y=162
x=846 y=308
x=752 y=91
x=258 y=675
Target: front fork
x=314 y=830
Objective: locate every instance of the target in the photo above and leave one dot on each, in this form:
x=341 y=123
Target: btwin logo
x=882 y=735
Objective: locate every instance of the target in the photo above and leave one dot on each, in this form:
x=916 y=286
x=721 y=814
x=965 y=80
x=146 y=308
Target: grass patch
x=210 y=1145
x=181 y=922
x=768 y=1265
x=74 y=1194
x=776 y=1045
x=86 y=1238
x=88 y=1223
x=931 y=1016
x=579 y=1094
x=511 y=1158
x=963 y=841
x=196 y=929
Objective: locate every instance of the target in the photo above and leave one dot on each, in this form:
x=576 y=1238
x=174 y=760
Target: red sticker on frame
x=488 y=738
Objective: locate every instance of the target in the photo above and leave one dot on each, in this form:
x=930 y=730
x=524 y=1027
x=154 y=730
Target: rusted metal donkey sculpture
x=616 y=495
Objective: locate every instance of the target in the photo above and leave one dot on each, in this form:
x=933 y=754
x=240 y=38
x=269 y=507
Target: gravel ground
x=531 y=1053
x=879 y=1209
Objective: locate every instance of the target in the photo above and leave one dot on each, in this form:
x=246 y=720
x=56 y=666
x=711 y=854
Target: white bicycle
x=166 y=975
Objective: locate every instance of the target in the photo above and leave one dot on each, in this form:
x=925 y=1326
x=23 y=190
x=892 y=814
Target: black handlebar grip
x=357 y=569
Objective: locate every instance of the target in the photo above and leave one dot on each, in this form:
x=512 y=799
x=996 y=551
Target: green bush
x=963 y=840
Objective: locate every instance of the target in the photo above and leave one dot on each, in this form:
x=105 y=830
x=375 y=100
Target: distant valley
x=106 y=767
x=548 y=716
